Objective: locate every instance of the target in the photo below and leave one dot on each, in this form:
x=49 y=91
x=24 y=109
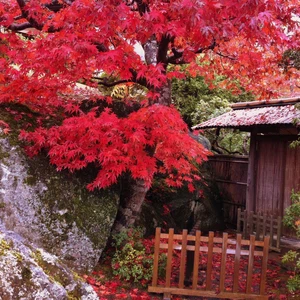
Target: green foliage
x=292 y=213
x=197 y=102
x=133 y=259
x=292 y=220
x=291 y=59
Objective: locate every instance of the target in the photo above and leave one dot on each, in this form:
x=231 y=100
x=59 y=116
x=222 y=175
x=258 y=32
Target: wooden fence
x=230 y=174
x=208 y=247
x=262 y=225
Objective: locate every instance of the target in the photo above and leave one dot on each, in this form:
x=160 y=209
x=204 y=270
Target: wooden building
x=263 y=182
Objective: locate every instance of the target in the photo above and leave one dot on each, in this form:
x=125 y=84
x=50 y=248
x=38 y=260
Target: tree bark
x=130 y=207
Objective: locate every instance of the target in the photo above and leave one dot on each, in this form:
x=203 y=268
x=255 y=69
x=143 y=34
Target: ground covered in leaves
x=111 y=286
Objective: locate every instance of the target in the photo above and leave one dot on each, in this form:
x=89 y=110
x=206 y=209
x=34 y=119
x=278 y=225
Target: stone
x=32 y=273
x=54 y=210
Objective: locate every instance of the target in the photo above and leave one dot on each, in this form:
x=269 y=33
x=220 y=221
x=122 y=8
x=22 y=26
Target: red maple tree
x=47 y=47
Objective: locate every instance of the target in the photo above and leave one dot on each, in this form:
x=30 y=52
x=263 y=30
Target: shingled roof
x=249 y=114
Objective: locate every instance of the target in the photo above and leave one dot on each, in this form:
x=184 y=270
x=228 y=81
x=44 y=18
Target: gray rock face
x=52 y=210
x=31 y=273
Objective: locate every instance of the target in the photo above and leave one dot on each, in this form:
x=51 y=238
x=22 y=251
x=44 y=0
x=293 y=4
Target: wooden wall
x=230 y=172
x=277 y=172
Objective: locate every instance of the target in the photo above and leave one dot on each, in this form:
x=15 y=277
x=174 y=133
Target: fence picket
x=182 y=258
x=156 y=256
x=223 y=262
x=264 y=265
x=279 y=220
x=250 y=264
x=196 y=260
x=169 y=257
x=257 y=226
x=261 y=225
x=237 y=262
x=209 y=245
x=209 y=259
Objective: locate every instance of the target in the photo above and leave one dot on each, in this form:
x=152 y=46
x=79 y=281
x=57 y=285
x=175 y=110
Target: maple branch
x=163 y=48
x=176 y=58
x=18 y=27
x=226 y=56
x=104 y=81
x=54 y=6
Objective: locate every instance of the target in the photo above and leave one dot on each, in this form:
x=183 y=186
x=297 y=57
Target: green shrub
x=292 y=220
x=133 y=258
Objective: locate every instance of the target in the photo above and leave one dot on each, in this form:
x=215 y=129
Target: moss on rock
x=52 y=209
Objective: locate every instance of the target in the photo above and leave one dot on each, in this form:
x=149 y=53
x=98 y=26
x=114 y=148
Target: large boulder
x=52 y=210
x=32 y=273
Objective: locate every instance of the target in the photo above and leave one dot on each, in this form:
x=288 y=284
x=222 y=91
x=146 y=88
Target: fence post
x=182 y=258
x=237 y=262
x=223 y=262
x=156 y=256
x=196 y=259
x=250 y=264
x=169 y=257
x=209 y=259
x=264 y=265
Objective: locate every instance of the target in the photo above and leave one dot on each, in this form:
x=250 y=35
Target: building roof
x=249 y=114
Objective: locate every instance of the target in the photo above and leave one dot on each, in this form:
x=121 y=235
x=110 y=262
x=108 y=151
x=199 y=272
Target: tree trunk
x=130 y=207
x=131 y=204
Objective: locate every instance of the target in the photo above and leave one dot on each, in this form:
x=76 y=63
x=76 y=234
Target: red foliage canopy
x=47 y=46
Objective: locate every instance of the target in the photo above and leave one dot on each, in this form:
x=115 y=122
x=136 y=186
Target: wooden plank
x=203 y=293
x=182 y=258
x=223 y=262
x=196 y=260
x=250 y=264
x=237 y=263
x=215 y=249
x=264 y=265
x=169 y=257
x=156 y=256
x=209 y=259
